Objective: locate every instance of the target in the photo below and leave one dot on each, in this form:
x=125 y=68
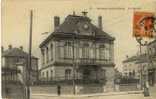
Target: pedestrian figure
x=146 y=89
x=58 y=90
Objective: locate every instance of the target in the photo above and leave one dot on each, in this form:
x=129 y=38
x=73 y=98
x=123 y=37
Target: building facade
x=14 y=62
x=152 y=62
x=139 y=67
x=130 y=68
x=78 y=50
x=146 y=62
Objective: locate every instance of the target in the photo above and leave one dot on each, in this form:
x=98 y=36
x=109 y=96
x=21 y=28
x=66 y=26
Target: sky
x=117 y=20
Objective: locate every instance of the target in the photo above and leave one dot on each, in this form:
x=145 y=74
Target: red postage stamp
x=143 y=24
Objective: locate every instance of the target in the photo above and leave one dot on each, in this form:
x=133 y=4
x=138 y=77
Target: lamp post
x=28 y=67
x=74 y=68
x=143 y=79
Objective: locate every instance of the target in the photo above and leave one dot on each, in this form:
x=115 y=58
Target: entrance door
x=151 y=77
x=86 y=74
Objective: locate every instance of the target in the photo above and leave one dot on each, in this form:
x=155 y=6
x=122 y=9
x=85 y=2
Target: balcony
x=93 y=61
x=85 y=61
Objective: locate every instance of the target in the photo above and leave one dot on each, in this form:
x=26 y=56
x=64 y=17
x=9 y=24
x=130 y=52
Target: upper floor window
x=47 y=54
x=85 y=50
x=104 y=52
x=51 y=50
x=43 y=56
x=67 y=49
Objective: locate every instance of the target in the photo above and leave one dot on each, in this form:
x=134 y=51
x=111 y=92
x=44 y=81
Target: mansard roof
x=70 y=26
x=15 y=52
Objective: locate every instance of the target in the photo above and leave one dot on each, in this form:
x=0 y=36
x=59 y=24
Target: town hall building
x=79 y=50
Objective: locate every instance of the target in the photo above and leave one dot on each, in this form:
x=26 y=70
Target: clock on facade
x=85 y=26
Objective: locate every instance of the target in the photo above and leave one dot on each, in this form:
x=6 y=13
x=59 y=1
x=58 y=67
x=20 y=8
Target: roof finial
x=84 y=13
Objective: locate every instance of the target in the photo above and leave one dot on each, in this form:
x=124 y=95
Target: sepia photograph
x=88 y=49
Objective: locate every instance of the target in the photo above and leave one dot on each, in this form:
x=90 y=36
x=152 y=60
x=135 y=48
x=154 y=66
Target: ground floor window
x=47 y=75
x=51 y=74
x=67 y=74
x=43 y=74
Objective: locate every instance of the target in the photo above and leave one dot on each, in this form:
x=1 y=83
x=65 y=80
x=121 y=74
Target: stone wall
x=67 y=89
x=12 y=91
x=109 y=79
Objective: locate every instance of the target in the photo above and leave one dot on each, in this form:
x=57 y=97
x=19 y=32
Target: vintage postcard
x=68 y=49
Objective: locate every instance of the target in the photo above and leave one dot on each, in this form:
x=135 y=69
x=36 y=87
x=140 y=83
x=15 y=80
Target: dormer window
x=102 y=46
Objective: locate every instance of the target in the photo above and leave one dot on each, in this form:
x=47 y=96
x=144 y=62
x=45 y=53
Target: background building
x=14 y=62
x=78 y=49
x=130 y=68
x=152 y=59
x=143 y=64
x=133 y=65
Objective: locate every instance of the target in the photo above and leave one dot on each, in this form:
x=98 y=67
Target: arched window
x=67 y=74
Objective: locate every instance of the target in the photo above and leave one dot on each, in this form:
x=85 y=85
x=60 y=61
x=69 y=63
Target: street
x=126 y=96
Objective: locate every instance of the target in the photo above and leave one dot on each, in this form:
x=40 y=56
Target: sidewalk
x=91 y=95
x=153 y=92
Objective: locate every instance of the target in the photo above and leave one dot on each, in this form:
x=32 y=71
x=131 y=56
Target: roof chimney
x=127 y=56
x=10 y=47
x=21 y=48
x=56 y=22
x=74 y=13
x=2 y=49
x=100 y=22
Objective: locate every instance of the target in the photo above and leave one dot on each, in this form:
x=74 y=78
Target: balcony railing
x=92 y=61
